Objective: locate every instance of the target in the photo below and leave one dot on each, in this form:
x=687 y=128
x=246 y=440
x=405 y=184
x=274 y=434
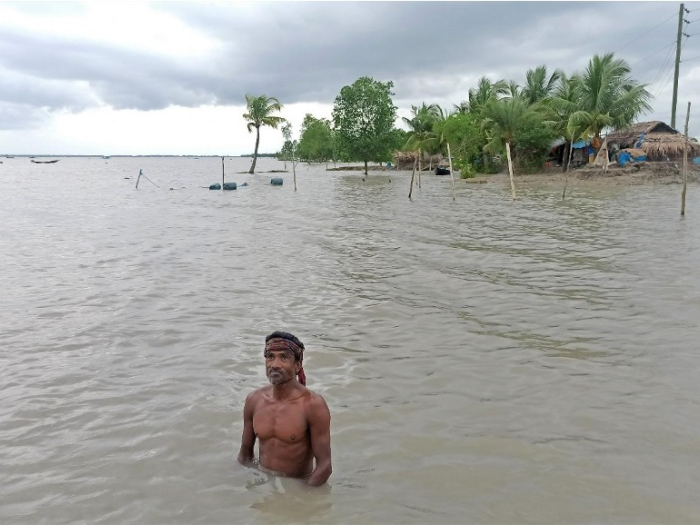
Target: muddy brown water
x=485 y=361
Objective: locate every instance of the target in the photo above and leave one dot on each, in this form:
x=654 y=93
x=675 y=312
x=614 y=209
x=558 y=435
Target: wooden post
x=420 y=155
x=294 y=166
x=510 y=170
x=685 y=163
x=568 y=167
x=452 y=173
x=223 y=174
x=413 y=174
x=138 y=179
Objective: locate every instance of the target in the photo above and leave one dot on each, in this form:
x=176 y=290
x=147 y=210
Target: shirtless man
x=292 y=423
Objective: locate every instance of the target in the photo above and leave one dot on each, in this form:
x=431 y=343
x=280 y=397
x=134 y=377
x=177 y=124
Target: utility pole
x=678 y=63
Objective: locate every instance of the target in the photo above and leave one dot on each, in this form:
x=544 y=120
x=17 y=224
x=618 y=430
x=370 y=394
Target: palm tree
x=502 y=119
x=512 y=90
x=421 y=126
x=259 y=113
x=559 y=107
x=485 y=91
x=537 y=86
x=462 y=107
x=607 y=96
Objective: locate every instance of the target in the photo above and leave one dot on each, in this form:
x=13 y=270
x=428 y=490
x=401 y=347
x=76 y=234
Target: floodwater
x=485 y=361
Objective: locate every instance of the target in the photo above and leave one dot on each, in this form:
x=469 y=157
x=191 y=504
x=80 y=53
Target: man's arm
x=246 y=454
x=319 y=418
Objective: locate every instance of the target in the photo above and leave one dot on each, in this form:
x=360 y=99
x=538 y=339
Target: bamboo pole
x=452 y=173
x=685 y=163
x=223 y=174
x=294 y=167
x=138 y=179
x=410 y=192
x=510 y=171
x=420 y=155
x=568 y=167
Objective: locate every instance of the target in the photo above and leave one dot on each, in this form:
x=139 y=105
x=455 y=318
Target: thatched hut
x=404 y=160
x=659 y=141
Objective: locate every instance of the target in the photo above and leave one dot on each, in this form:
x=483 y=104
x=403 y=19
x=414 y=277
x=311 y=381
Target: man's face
x=280 y=366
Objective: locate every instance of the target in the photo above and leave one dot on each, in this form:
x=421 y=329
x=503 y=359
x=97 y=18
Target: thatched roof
x=411 y=155
x=660 y=140
x=633 y=132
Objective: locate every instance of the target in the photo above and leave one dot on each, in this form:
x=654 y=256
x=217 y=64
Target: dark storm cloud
x=306 y=52
x=120 y=77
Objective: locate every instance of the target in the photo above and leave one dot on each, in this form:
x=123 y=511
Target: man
x=292 y=423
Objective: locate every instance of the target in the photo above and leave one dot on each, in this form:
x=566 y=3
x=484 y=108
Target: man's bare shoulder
x=315 y=403
x=258 y=394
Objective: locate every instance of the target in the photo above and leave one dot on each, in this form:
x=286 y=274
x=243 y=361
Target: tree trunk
x=410 y=192
x=255 y=153
x=420 y=157
x=365 y=168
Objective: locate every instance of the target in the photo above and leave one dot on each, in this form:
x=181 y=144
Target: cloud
x=150 y=57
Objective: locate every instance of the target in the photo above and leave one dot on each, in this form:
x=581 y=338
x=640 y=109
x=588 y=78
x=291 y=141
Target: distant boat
x=105 y=156
x=8 y=157
x=45 y=161
x=442 y=171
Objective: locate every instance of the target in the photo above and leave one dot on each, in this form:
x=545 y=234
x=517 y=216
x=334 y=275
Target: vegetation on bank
x=495 y=115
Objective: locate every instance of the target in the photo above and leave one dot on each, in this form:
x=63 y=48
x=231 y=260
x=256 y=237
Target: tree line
x=495 y=115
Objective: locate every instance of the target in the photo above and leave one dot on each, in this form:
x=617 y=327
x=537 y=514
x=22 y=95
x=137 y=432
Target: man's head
x=284 y=356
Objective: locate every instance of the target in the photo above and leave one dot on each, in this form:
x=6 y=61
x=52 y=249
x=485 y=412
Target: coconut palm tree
x=485 y=90
x=558 y=109
x=537 y=86
x=607 y=96
x=260 y=113
x=501 y=120
x=462 y=107
x=421 y=126
x=512 y=90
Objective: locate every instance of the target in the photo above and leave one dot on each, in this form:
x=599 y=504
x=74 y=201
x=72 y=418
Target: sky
x=170 y=78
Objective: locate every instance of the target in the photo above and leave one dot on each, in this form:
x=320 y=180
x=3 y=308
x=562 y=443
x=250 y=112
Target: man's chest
x=286 y=422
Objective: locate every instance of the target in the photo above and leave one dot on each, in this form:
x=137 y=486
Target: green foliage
x=420 y=134
x=466 y=170
x=538 y=87
x=531 y=144
x=606 y=96
x=501 y=120
x=287 y=150
x=463 y=136
x=397 y=140
x=316 y=142
x=363 y=119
